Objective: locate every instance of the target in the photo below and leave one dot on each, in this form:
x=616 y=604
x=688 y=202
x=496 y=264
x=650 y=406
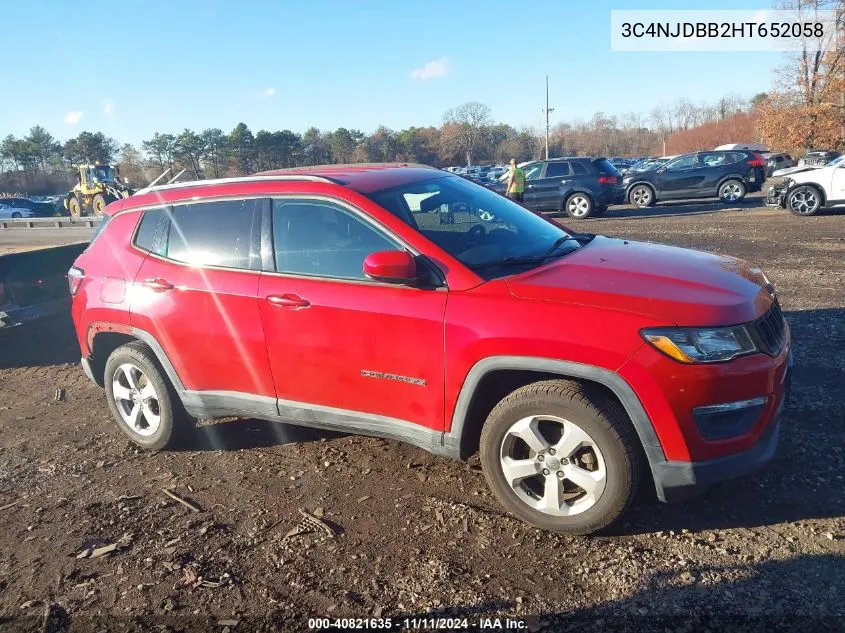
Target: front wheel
x=16 y=216
x=803 y=200
x=98 y=204
x=732 y=191
x=144 y=405
x=578 y=206
x=561 y=456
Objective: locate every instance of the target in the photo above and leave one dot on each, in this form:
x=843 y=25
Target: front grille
x=771 y=330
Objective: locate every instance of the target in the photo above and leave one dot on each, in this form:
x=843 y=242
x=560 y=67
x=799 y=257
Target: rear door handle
x=290 y=301
x=530 y=186
x=158 y=285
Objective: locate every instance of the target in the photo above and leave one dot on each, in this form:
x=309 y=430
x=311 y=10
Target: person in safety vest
x=516 y=182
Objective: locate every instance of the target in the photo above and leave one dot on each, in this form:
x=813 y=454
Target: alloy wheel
x=641 y=196
x=731 y=192
x=578 y=206
x=136 y=400
x=553 y=465
x=803 y=201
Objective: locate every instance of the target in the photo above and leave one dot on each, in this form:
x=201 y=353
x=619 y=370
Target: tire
x=73 y=207
x=16 y=215
x=642 y=196
x=732 y=191
x=172 y=421
x=578 y=205
x=98 y=204
x=582 y=412
x=804 y=200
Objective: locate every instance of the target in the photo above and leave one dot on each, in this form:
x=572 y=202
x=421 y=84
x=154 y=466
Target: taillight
x=607 y=180
x=74 y=279
x=757 y=161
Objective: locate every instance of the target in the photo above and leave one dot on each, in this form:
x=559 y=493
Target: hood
x=673 y=285
x=794 y=170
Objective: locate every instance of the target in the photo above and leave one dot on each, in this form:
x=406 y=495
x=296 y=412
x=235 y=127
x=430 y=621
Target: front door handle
x=158 y=285
x=290 y=301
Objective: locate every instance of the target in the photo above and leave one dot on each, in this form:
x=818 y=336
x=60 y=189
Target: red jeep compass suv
x=404 y=302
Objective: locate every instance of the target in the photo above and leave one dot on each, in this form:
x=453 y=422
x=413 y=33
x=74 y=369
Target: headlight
x=701 y=345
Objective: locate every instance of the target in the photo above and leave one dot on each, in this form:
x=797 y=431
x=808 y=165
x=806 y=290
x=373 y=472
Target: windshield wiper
x=524 y=259
x=581 y=238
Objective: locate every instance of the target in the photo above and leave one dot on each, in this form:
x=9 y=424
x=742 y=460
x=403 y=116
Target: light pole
x=547 y=110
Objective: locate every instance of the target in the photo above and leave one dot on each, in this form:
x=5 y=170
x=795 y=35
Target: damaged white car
x=806 y=189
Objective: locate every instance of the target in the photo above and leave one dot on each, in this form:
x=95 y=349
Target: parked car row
x=584 y=187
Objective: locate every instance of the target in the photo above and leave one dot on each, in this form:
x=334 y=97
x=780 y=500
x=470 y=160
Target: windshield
x=104 y=174
x=485 y=231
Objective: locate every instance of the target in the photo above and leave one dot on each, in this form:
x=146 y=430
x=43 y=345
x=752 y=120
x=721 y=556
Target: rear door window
x=713 y=159
x=221 y=233
x=557 y=169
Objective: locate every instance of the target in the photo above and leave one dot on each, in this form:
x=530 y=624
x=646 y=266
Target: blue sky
x=137 y=68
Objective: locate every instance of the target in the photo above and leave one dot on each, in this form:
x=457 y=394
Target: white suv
x=807 y=190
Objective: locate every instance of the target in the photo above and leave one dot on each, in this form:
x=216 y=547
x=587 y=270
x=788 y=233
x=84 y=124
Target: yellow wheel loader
x=97 y=185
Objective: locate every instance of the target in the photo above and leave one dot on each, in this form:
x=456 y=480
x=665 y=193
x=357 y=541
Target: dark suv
x=582 y=187
x=730 y=175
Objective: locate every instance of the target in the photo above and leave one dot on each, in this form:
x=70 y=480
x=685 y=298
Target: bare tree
x=470 y=124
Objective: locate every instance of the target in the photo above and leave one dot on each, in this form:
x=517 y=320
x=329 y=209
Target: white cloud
x=73 y=117
x=108 y=107
x=432 y=70
x=269 y=92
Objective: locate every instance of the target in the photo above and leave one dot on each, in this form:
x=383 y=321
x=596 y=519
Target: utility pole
x=547 y=111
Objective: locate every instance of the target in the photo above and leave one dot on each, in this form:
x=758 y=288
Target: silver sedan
x=12 y=213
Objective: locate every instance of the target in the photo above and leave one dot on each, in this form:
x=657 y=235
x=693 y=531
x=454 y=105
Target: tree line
x=466 y=135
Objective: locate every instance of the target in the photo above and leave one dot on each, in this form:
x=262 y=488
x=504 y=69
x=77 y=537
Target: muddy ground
x=416 y=534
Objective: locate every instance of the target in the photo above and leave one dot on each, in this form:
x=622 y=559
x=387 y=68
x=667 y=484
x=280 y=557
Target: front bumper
x=776 y=196
x=677 y=480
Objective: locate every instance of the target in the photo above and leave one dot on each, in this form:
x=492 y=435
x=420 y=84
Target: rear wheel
x=732 y=191
x=641 y=196
x=804 y=200
x=145 y=406
x=98 y=204
x=578 y=205
x=73 y=207
x=561 y=456
x=16 y=215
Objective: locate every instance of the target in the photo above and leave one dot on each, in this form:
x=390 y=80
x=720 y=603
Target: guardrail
x=49 y=223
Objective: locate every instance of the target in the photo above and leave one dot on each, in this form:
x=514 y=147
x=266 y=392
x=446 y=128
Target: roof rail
x=341 y=166
x=236 y=179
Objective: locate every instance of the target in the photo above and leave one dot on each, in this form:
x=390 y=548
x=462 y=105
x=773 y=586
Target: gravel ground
x=408 y=534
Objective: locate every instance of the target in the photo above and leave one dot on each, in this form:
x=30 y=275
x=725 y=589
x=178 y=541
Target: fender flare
x=814 y=185
x=566 y=369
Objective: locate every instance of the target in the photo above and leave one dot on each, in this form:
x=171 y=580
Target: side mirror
x=661 y=169
x=393 y=267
